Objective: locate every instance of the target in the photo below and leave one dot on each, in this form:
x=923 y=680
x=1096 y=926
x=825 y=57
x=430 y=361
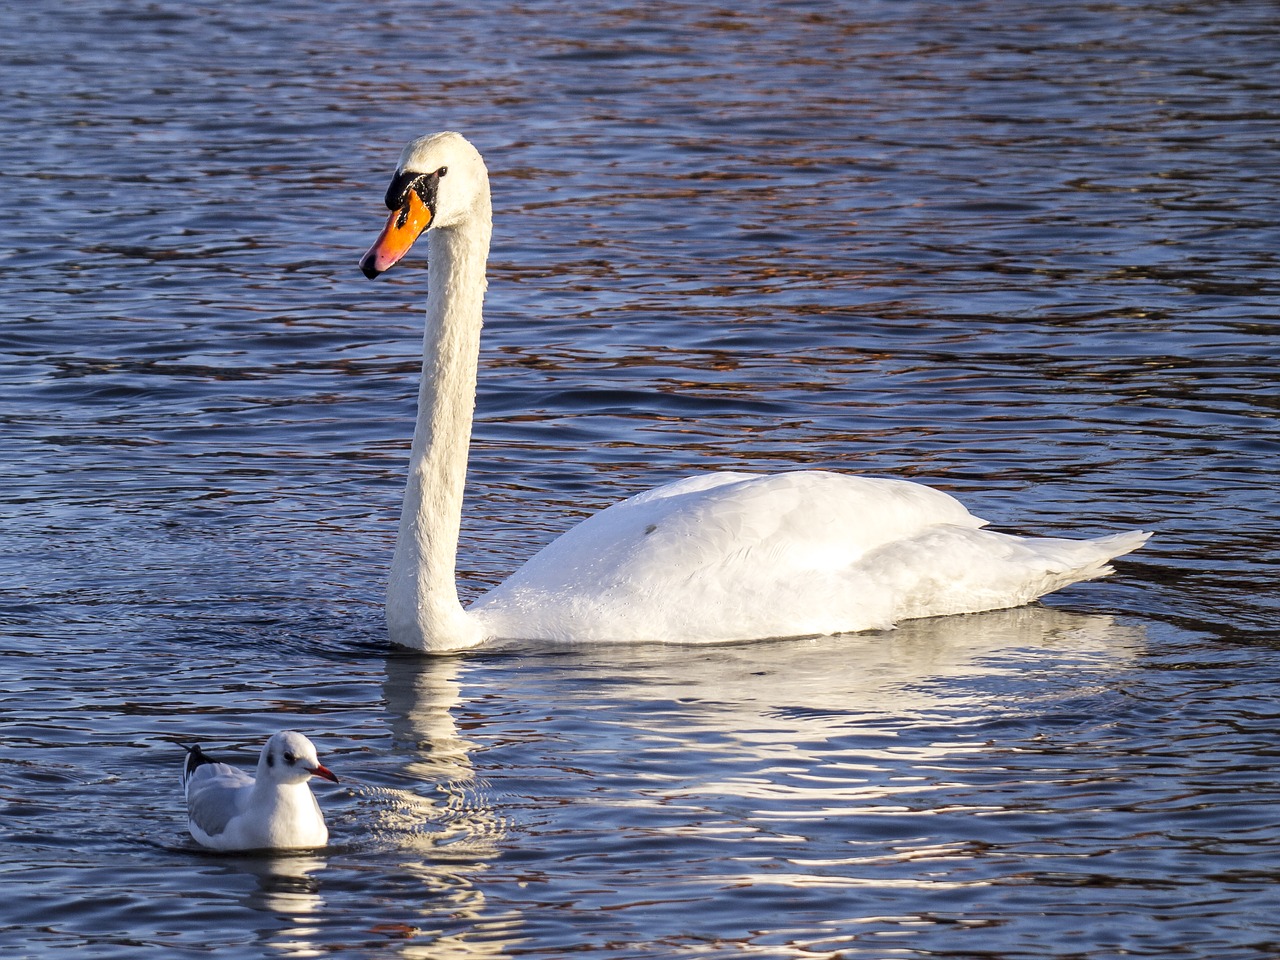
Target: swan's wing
x=719 y=524
x=216 y=794
x=810 y=521
x=690 y=485
x=724 y=556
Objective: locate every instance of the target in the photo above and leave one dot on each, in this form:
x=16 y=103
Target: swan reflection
x=445 y=829
x=879 y=710
x=600 y=779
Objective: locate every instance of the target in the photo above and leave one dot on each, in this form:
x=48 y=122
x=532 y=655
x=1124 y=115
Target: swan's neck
x=422 y=596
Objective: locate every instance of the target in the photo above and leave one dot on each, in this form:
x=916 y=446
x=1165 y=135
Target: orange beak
x=404 y=226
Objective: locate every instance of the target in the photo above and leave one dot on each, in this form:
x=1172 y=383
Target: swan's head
x=441 y=181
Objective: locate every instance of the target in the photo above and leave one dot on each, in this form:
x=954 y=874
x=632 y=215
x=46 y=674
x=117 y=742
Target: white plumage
x=227 y=809
x=713 y=558
x=733 y=556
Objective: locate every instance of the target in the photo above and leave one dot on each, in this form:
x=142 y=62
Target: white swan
x=717 y=557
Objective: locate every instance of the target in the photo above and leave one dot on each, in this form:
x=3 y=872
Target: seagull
x=227 y=809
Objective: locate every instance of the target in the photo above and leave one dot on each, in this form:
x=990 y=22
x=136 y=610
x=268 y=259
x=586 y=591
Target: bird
x=227 y=809
x=712 y=558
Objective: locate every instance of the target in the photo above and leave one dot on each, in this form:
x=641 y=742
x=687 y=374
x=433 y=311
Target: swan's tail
x=1071 y=561
x=1116 y=545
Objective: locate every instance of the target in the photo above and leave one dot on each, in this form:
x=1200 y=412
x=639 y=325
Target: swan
x=717 y=557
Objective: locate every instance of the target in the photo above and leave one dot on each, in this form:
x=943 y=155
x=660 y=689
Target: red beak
x=320 y=770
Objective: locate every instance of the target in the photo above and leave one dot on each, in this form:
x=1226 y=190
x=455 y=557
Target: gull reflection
x=287 y=890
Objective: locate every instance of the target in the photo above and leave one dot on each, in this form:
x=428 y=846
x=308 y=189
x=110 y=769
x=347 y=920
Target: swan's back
x=725 y=557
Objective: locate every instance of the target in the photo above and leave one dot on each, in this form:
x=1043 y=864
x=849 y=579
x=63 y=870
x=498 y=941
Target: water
x=1024 y=250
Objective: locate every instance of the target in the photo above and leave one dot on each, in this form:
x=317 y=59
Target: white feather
x=227 y=809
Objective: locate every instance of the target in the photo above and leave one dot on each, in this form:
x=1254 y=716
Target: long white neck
x=423 y=611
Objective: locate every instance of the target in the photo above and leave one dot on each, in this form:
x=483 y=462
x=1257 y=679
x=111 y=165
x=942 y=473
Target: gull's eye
x=289 y=758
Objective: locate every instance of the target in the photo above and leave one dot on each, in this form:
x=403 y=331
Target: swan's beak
x=320 y=770
x=403 y=227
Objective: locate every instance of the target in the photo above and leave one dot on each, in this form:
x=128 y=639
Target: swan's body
x=713 y=558
x=227 y=809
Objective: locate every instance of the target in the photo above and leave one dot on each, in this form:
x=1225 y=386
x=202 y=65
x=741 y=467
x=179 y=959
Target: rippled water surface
x=1025 y=251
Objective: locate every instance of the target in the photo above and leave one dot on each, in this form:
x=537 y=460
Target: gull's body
x=713 y=558
x=228 y=809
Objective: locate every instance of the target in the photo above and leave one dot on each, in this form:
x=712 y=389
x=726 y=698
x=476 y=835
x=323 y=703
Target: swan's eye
x=442 y=171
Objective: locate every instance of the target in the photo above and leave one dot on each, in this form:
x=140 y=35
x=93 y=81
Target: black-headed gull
x=229 y=810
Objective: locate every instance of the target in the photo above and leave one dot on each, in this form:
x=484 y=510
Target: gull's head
x=440 y=181
x=290 y=757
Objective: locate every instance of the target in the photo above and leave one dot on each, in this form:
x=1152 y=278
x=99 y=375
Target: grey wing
x=215 y=793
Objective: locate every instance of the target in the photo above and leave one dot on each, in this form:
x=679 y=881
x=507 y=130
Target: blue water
x=1023 y=251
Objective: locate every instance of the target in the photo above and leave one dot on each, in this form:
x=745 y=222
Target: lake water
x=1026 y=251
